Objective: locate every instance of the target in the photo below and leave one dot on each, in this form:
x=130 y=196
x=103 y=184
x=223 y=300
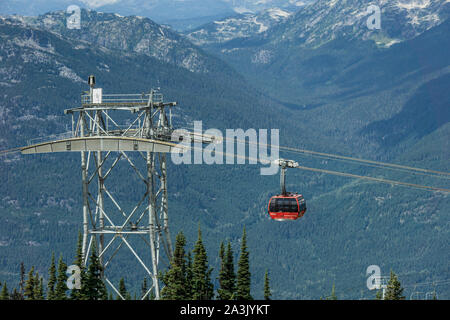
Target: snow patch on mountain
x=325 y=20
x=240 y=26
x=418 y=4
x=254 y=6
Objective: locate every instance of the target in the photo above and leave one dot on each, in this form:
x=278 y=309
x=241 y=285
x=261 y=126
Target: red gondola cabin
x=290 y=206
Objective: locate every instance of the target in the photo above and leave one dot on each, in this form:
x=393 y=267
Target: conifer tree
x=76 y=294
x=79 y=251
x=202 y=287
x=41 y=289
x=38 y=287
x=189 y=276
x=220 y=291
x=243 y=280
x=29 y=289
x=51 y=279
x=16 y=295
x=61 y=281
x=227 y=277
x=267 y=293
x=4 y=294
x=379 y=295
x=22 y=281
x=123 y=290
x=394 y=290
x=93 y=287
x=175 y=277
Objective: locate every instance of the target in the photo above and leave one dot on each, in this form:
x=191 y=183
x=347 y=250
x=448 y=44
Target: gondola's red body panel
x=290 y=206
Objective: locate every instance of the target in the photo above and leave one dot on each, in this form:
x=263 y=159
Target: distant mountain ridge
x=325 y=20
x=130 y=35
x=161 y=11
x=315 y=45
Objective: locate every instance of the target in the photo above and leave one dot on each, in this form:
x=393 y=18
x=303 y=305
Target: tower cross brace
x=104 y=144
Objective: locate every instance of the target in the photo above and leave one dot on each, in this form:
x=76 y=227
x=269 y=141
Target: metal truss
x=105 y=144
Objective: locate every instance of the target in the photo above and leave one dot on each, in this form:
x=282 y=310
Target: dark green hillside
x=424 y=113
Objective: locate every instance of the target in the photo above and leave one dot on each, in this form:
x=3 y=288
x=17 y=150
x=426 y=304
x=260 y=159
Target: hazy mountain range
x=182 y=14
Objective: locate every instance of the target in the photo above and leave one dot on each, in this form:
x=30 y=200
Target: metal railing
x=124 y=98
x=52 y=137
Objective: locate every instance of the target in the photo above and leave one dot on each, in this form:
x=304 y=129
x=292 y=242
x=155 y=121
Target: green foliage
x=267 y=293
x=227 y=276
x=93 y=287
x=123 y=291
x=175 y=279
x=76 y=294
x=30 y=285
x=243 y=279
x=38 y=287
x=22 y=280
x=189 y=276
x=16 y=295
x=4 y=294
x=51 y=279
x=379 y=295
x=202 y=287
x=61 y=281
x=394 y=290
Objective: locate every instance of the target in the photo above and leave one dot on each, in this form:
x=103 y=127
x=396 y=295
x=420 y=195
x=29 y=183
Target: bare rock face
x=132 y=34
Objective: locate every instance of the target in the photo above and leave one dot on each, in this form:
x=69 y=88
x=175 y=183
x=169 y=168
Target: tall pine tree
x=4 y=294
x=175 y=278
x=394 y=290
x=123 y=291
x=267 y=293
x=189 y=276
x=243 y=280
x=93 y=287
x=29 y=289
x=22 y=281
x=227 y=277
x=202 y=287
x=39 y=287
x=61 y=281
x=76 y=294
x=221 y=272
x=51 y=279
x=15 y=295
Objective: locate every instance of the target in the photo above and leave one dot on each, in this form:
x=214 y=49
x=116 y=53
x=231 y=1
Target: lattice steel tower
x=97 y=134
